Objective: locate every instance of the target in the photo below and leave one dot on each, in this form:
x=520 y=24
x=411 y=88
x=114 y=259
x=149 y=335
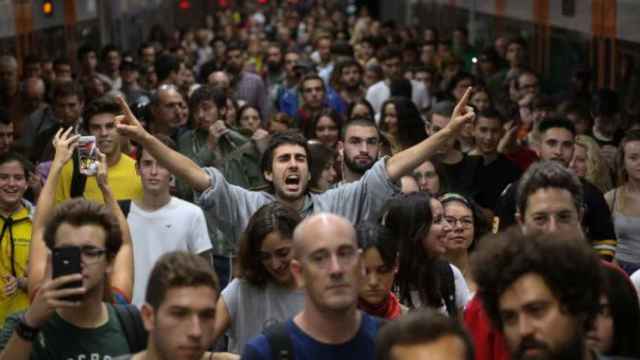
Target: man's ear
x=296 y=271
x=268 y=175
x=148 y=316
x=341 y=149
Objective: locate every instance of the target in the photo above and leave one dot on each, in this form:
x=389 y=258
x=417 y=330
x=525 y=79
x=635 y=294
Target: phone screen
x=88 y=155
x=66 y=261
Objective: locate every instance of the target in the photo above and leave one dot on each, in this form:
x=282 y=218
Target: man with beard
x=246 y=86
x=347 y=81
x=556 y=142
x=285 y=167
x=274 y=74
x=541 y=301
x=359 y=148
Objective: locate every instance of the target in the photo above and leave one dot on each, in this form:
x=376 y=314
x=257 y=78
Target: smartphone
x=66 y=261
x=88 y=155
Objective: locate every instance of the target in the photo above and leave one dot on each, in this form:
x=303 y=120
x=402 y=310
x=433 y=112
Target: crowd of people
x=297 y=181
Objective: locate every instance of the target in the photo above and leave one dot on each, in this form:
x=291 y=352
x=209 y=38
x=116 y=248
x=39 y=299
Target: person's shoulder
x=257 y=348
x=183 y=205
x=126 y=161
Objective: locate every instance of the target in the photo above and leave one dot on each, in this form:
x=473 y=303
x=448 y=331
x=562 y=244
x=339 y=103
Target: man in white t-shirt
x=390 y=58
x=161 y=223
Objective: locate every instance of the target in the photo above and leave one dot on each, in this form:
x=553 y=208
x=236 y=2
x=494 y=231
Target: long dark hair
x=625 y=311
x=273 y=217
x=409 y=217
x=410 y=124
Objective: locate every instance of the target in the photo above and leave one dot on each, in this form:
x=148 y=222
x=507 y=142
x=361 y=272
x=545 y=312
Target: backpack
x=131 y=322
x=448 y=288
x=280 y=342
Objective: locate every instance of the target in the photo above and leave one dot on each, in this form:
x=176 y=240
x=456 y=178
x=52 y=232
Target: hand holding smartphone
x=88 y=155
x=66 y=261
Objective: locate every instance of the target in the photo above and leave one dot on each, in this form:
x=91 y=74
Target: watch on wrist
x=25 y=331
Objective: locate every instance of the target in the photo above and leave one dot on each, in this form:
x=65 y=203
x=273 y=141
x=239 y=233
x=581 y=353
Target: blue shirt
x=361 y=346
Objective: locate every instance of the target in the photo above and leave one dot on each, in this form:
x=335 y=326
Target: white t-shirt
x=252 y=309
x=379 y=92
x=178 y=225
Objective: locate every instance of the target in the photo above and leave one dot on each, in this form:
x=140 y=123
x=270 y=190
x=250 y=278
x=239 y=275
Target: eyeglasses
x=90 y=254
x=345 y=257
x=465 y=222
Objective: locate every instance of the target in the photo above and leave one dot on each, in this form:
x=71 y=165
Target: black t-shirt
x=596 y=221
x=460 y=177
x=493 y=178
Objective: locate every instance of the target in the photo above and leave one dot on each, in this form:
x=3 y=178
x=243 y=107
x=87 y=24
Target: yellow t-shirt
x=22 y=240
x=123 y=179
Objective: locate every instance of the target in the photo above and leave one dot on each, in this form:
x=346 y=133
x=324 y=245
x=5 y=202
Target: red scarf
x=389 y=309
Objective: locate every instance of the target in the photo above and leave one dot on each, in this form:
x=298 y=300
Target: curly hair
x=270 y=218
x=566 y=263
x=597 y=170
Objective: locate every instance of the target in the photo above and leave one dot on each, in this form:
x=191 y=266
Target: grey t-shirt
x=231 y=206
x=252 y=309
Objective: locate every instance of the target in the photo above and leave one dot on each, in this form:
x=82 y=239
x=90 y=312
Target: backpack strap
x=78 y=180
x=448 y=288
x=125 y=206
x=134 y=330
x=279 y=341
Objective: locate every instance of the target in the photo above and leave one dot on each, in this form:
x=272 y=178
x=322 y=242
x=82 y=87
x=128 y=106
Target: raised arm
x=175 y=162
x=64 y=144
x=121 y=278
x=405 y=161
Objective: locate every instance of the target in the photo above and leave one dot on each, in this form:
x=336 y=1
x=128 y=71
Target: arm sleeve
x=231 y=298
x=199 y=241
x=363 y=199
x=229 y=205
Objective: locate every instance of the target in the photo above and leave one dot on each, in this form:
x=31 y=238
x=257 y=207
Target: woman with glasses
x=468 y=225
x=424 y=278
x=265 y=292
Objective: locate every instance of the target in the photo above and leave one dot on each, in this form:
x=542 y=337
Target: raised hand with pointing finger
x=127 y=124
x=462 y=113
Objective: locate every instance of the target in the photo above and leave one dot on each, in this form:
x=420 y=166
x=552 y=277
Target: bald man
x=327 y=265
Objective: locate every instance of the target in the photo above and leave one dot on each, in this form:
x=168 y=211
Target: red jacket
x=488 y=341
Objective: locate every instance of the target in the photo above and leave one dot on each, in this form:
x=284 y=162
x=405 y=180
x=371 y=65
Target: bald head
x=323 y=225
x=34 y=86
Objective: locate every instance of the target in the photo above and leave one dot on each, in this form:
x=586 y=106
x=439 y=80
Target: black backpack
x=448 y=288
x=134 y=330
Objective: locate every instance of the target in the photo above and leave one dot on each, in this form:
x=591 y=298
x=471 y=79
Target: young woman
x=616 y=329
x=380 y=255
x=401 y=123
x=325 y=128
x=424 y=279
x=589 y=164
x=624 y=202
x=431 y=178
x=265 y=291
x=321 y=166
x=360 y=108
x=468 y=225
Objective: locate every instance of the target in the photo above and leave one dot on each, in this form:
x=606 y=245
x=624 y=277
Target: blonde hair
x=598 y=172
